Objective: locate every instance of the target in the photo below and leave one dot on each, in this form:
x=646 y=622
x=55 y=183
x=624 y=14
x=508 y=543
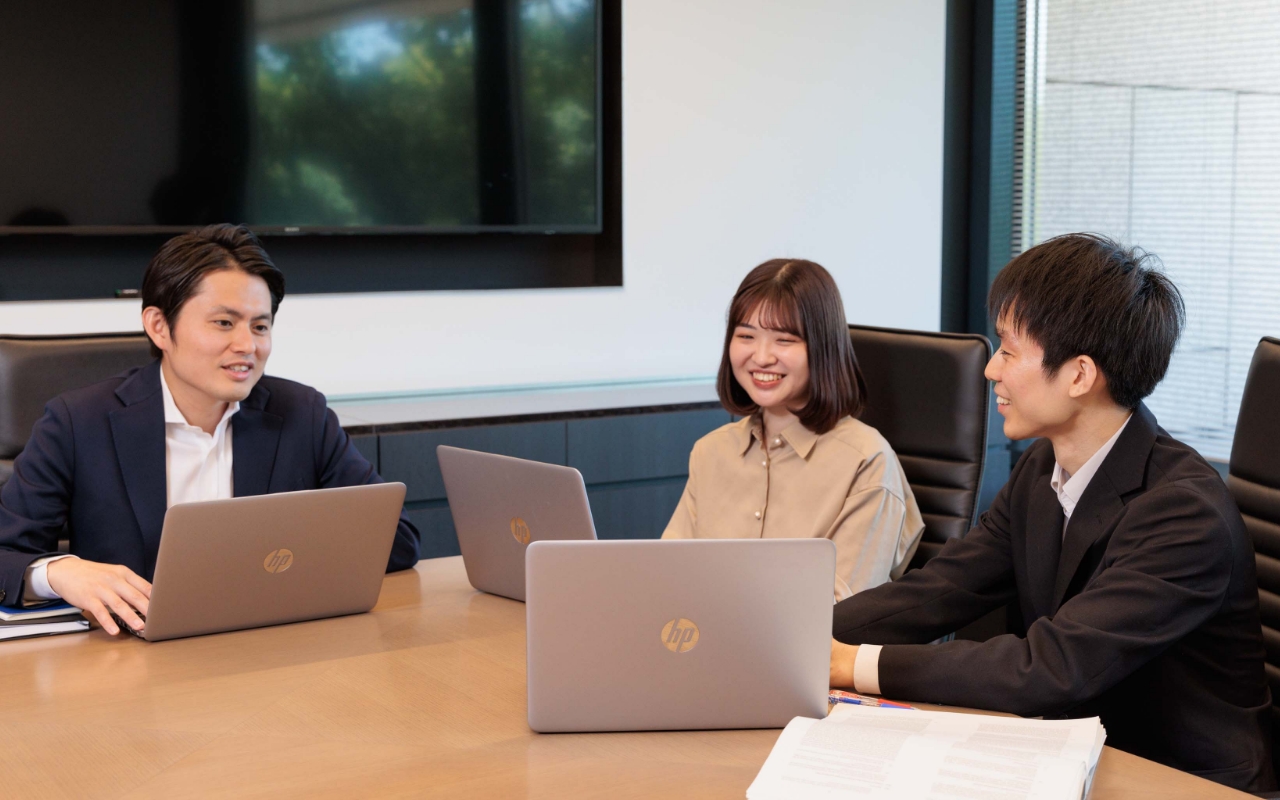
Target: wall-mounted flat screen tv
x=327 y=116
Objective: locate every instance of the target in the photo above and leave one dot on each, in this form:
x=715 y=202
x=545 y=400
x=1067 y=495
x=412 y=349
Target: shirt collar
x=748 y=432
x=800 y=438
x=1070 y=488
x=796 y=434
x=173 y=416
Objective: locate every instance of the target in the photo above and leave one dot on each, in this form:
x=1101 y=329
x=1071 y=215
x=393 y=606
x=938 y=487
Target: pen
x=838 y=696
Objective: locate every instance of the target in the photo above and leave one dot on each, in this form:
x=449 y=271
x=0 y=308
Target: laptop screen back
x=675 y=635
x=502 y=504
x=253 y=561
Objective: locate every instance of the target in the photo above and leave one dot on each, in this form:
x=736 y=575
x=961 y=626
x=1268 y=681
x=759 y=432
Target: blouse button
x=764 y=463
x=777 y=441
x=757 y=515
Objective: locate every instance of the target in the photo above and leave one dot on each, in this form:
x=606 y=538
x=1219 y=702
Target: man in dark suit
x=199 y=423
x=1119 y=547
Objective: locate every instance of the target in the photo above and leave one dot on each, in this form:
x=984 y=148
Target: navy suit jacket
x=95 y=466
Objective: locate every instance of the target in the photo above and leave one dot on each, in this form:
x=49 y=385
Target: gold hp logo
x=680 y=635
x=520 y=530
x=278 y=560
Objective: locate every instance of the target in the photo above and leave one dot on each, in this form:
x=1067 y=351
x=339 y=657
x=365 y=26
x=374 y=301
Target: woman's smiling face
x=771 y=365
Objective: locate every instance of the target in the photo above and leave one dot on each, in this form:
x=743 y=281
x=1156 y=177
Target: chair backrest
x=35 y=369
x=927 y=396
x=1254 y=480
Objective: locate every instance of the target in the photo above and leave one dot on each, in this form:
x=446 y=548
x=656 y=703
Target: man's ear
x=1085 y=376
x=157 y=328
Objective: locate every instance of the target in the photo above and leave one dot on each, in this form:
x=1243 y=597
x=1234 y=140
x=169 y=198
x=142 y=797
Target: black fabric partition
x=928 y=397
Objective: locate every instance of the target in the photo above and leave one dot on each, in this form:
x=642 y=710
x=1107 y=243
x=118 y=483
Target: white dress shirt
x=1069 y=488
x=197 y=464
x=197 y=467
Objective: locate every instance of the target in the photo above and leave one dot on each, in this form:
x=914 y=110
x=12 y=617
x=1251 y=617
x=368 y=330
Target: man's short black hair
x=1084 y=294
x=175 y=272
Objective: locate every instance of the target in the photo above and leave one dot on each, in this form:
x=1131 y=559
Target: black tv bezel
x=93 y=262
x=380 y=230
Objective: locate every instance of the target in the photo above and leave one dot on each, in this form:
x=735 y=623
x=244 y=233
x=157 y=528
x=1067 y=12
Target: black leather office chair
x=927 y=396
x=35 y=369
x=1254 y=479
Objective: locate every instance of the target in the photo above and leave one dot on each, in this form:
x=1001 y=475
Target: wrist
x=55 y=567
x=843 y=657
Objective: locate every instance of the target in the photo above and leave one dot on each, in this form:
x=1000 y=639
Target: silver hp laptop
x=225 y=565
x=501 y=504
x=678 y=635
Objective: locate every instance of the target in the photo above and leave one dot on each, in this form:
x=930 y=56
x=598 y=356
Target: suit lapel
x=1044 y=544
x=137 y=430
x=255 y=437
x=1122 y=471
x=1093 y=515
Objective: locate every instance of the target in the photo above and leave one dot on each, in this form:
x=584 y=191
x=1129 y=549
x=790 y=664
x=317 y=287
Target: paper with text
x=868 y=752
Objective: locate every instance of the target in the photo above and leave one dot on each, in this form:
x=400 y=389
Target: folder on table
x=23 y=623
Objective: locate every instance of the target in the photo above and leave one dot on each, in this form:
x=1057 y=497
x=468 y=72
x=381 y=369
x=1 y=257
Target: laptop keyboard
x=124 y=626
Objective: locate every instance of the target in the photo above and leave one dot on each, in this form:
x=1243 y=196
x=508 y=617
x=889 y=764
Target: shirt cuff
x=36 y=585
x=866 y=669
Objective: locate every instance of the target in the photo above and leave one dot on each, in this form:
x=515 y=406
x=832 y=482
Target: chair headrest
x=926 y=393
x=35 y=369
x=1255 y=452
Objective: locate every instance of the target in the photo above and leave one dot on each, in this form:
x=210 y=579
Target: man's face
x=1032 y=404
x=220 y=341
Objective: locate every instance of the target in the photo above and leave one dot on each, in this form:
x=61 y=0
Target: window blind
x=1157 y=122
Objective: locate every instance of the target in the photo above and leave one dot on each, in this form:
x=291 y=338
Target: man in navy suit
x=201 y=422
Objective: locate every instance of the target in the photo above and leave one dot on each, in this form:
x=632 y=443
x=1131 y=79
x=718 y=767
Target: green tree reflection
x=375 y=123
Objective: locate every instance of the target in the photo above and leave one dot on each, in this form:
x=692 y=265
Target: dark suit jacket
x=1145 y=614
x=96 y=463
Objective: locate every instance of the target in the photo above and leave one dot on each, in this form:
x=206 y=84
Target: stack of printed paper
x=868 y=752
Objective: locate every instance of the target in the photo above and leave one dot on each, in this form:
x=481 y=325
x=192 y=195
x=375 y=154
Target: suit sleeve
x=341 y=464
x=34 y=502
x=972 y=576
x=1166 y=571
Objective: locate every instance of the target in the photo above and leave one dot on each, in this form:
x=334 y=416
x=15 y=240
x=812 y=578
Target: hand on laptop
x=842 y=658
x=98 y=589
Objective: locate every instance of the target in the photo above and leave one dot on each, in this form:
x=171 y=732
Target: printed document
x=869 y=752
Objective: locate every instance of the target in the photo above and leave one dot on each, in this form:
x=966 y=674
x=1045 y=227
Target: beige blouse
x=845 y=485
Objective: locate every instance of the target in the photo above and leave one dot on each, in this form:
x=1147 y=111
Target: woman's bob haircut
x=800 y=298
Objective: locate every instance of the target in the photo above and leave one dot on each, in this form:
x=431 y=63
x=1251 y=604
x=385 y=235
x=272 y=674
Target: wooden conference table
x=423 y=697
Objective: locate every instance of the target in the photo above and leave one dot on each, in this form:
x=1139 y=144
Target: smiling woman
x=799 y=464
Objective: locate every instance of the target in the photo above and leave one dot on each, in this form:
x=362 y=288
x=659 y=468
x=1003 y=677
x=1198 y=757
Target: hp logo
x=680 y=635
x=278 y=560
x=520 y=530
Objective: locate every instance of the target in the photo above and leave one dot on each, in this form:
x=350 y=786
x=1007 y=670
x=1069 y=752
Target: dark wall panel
x=634 y=465
x=411 y=457
x=635 y=512
x=367 y=444
x=436 y=526
x=640 y=446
